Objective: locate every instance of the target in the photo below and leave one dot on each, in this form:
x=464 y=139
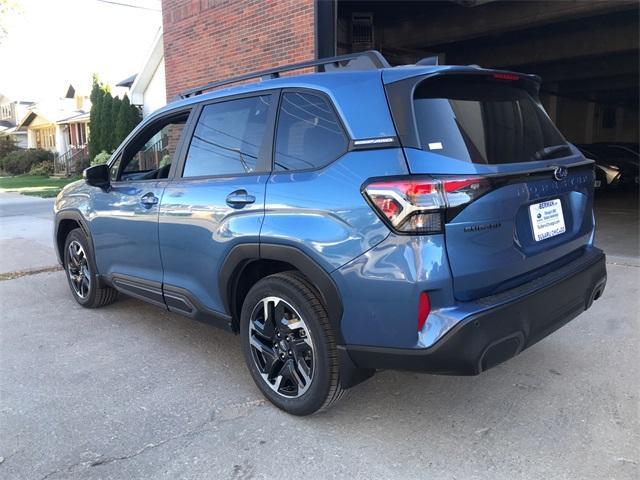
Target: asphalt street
x=134 y=392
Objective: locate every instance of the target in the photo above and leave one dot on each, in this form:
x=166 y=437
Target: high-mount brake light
x=506 y=76
x=418 y=205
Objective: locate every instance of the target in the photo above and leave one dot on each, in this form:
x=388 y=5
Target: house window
x=6 y=111
x=46 y=137
x=50 y=139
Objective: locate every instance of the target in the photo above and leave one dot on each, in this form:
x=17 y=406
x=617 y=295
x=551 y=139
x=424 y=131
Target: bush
x=82 y=163
x=102 y=157
x=7 y=145
x=21 y=161
x=42 y=169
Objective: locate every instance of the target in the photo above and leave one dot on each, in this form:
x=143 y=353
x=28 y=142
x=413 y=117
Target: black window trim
x=142 y=130
x=341 y=123
x=265 y=154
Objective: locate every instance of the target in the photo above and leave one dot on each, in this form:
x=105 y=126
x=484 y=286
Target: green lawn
x=37 y=186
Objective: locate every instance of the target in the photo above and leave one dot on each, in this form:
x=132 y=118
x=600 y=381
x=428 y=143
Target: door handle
x=239 y=199
x=149 y=200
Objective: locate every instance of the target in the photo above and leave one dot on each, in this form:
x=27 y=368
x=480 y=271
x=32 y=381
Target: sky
x=52 y=43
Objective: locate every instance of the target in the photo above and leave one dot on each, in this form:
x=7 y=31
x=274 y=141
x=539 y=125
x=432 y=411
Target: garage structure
x=586 y=51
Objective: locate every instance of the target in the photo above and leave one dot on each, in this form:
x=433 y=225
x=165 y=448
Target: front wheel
x=289 y=345
x=80 y=268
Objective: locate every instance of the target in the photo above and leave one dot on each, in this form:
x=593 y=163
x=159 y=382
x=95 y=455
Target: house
x=11 y=112
x=61 y=126
x=147 y=88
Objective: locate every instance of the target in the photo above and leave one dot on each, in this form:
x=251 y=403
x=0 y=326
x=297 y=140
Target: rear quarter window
x=309 y=135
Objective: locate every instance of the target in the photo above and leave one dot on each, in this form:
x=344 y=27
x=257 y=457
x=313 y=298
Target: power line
x=129 y=5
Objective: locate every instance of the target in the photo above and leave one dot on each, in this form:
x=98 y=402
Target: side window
x=309 y=134
x=150 y=154
x=227 y=137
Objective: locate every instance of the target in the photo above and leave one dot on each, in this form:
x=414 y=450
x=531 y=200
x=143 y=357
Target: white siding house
x=11 y=112
x=148 y=89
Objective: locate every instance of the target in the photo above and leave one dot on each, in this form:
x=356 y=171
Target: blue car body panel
x=125 y=232
x=383 y=286
x=197 y=230
x=323 y=212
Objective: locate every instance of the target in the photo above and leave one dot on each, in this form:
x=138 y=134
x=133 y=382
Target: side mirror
x=97 y=176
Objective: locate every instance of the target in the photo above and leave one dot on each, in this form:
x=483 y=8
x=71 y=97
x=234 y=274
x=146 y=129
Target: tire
x=81 y=271
x=303 y=341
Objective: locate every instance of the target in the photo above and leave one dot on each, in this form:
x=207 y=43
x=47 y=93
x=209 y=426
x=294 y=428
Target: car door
x=124 y=223
x=215 y=200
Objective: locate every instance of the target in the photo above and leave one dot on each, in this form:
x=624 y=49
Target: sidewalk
x=26 y=238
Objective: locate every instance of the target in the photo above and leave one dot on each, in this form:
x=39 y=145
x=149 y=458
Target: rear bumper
x=492 y=336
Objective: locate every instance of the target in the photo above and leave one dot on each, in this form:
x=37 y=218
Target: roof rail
x=371 y=59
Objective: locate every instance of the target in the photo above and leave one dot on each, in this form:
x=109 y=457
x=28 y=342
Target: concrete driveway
x=131 y=391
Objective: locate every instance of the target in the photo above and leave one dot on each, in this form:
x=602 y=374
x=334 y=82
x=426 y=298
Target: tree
x=9 y=11
x=112 y=119
x=115 y=111
x=99 y=93
x=106 y=123
x=123 y=123
x=133 y=118
x=94 y=137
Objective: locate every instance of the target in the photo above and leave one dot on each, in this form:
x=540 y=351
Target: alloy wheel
x=78 y=269
x=281 y=347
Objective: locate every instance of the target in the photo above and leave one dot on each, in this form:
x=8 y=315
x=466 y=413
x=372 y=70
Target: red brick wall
x=208 y=40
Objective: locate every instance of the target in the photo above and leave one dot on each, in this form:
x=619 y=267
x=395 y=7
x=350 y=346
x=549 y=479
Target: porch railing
x=71 y=162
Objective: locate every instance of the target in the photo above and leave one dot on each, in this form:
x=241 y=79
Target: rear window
x=482 y=121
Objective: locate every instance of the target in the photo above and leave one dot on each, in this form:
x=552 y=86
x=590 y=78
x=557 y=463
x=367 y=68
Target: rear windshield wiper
x=554 y=151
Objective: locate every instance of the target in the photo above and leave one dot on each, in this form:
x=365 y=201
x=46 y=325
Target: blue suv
x=362 y=217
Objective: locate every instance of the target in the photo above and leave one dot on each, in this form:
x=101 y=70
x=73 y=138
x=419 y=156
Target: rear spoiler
x=398 y=74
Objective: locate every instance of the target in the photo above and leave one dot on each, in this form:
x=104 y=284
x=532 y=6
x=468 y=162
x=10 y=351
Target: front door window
x=150 y=155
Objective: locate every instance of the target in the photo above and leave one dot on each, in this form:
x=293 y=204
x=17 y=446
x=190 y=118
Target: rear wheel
x=81 y=273
x=289 y=345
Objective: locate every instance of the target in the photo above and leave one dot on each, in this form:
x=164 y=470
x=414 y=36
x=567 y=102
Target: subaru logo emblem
x=560 y=173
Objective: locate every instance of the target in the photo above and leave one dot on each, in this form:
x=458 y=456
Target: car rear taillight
x=418 y=205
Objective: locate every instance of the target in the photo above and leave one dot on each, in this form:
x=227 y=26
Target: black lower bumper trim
x=488 y=338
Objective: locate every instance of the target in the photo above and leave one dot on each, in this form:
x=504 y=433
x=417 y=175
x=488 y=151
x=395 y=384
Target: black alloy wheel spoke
x=266 y=325
x=78 y=269
x=302 y=351
x=84 y=285
x=269 y=356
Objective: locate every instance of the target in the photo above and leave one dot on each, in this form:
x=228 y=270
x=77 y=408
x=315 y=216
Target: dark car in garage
x=616 y=164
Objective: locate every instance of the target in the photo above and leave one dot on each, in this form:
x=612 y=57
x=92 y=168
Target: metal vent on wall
x=362 y=31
